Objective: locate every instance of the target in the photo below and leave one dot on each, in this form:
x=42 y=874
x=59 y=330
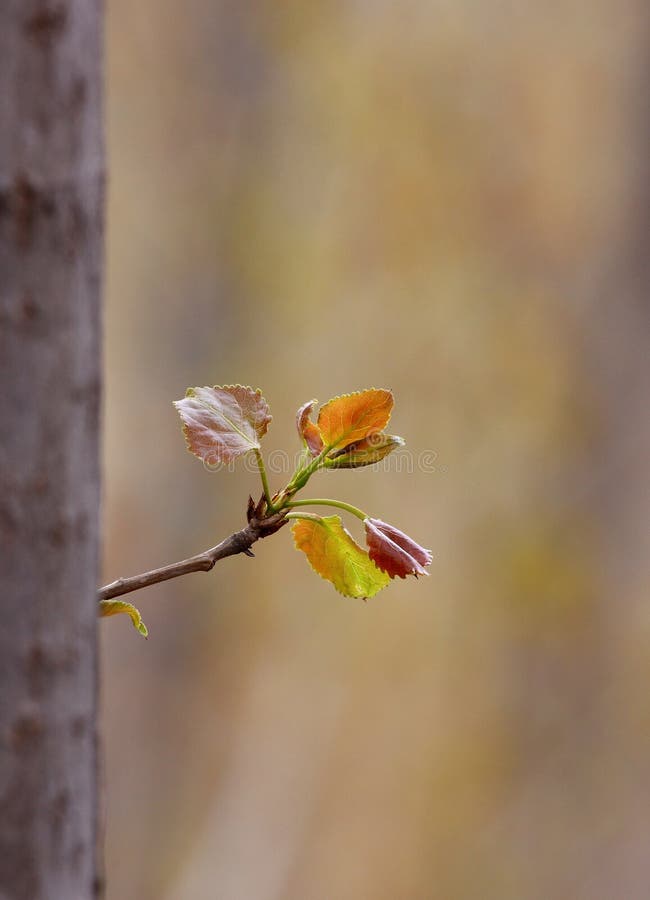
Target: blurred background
x=451 y=200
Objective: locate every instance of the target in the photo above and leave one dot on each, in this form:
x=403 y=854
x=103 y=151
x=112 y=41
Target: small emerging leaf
x=222 y=423
x=395 y=552
x=364 y=453
x=334 y=554
x=352 y=417
x=114 y=607
x=308 y=432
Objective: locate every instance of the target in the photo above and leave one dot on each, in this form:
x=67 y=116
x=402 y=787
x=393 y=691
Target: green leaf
x=334 y=554
x=222 y=423
x=353 y=417
x=115 y=607
x=364 y=453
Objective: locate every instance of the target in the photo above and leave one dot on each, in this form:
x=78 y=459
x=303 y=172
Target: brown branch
x=259 y=526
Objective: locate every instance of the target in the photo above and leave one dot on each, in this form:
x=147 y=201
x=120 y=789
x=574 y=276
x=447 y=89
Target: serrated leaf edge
x=356 y=394
x=224 y=387
x=323 y=577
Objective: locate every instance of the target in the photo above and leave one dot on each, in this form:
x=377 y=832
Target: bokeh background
x=450 y=199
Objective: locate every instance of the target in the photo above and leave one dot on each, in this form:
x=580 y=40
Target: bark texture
x=51 y=229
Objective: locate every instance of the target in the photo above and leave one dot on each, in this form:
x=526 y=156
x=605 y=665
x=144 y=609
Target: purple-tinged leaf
x=222 y=423
x=395 y=552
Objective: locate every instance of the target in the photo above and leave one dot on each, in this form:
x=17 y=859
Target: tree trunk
x=51 y=228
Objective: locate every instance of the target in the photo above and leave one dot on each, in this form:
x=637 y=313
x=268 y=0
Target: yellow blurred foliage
x=442 y=199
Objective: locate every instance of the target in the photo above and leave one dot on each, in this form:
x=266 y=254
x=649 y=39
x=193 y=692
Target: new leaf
x=115 y=607
x=367 y=452
x=395 y=552
x=336 y=557
x=352 y=417
x=308 y=432
x=222 y=423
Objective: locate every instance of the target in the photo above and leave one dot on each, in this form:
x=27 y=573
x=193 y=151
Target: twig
x=259 y=526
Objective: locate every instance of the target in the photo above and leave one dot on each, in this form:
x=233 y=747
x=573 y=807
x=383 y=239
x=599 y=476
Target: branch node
x=259 y=526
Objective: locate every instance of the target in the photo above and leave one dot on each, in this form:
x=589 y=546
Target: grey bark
x=51 y=212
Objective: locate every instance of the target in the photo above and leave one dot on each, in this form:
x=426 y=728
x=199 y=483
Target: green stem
x=315 y=463
x=309 y=516
x=302 y=476
x=265 y=481
x=339 y=504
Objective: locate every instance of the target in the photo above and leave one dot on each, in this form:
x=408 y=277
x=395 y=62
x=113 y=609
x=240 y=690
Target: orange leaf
x=352 y=417
x=337 y=557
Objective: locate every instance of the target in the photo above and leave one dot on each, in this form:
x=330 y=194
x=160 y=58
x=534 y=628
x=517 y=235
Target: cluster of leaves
x=223 y=423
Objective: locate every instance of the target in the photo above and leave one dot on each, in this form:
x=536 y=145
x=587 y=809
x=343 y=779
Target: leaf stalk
x=338 y=504
x=265 y=481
